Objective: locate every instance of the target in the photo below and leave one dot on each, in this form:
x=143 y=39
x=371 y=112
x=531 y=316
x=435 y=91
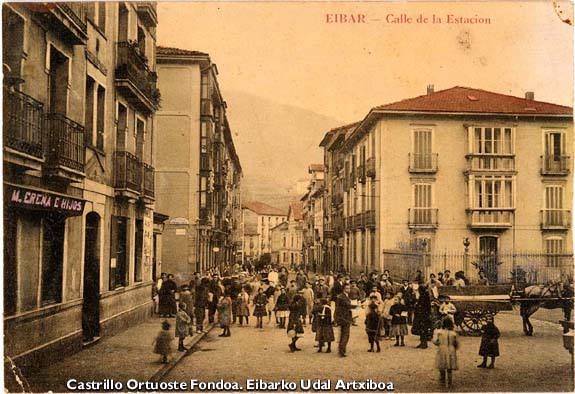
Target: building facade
x=198 y=169
x=314 y=249
x=447 y=171
x=287 y=238
x=79 y=102
x=259 y=218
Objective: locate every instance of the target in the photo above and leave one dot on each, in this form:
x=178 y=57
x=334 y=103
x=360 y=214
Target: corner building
x=80 y=96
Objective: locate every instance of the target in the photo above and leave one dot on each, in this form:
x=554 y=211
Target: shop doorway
x=91 y=295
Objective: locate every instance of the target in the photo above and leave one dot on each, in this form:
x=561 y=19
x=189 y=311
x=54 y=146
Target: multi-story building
x=452 y=171
x=313 y=208
x=287 y=238
x=333 y=229
x=198 y=169
x=259 y=218
x=79 y=101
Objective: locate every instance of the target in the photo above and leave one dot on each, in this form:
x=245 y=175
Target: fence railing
x=519 y=268
x=490 y=217
x=555 y=219
x=555 y=164
x=128 y=171
x=423 y=162
x=423 y=217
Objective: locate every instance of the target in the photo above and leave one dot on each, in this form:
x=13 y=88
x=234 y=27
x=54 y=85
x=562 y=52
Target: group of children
x=388 y=319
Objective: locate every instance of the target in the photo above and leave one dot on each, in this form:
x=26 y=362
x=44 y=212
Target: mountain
x=276 y=143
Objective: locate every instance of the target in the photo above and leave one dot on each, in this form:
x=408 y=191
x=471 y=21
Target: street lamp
x=466 y=244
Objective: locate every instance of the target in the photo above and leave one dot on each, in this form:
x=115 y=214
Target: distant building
x=313 y=216
x=198 y=169
x=287 y=238
x=260 y=218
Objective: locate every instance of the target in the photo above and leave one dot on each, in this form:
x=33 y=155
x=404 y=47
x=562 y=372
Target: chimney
x=530 y=95
x=429 y=89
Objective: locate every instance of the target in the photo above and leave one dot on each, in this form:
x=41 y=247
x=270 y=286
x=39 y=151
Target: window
x=94 y=113
x=100 y=108
x=138 y=250
x=58 y=81
x=118 y=252
x=553 y=214
x=53 y=228
x=422 y=158
x=422 y=211
x=493 y=192
x=554 y=249
x=493 y=140
x=13 y=26
x=96 y=12
x=555 y=159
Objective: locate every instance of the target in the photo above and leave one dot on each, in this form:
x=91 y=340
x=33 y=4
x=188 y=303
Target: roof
x=461 y=99
x=263 y=209
x=315 y=168
x=296 y=210
x=282 y=224
x=170 y=51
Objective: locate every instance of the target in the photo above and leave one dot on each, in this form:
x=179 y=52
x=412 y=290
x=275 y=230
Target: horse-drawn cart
x=474 y=303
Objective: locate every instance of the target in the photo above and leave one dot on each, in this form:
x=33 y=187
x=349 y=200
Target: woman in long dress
x=225 y=314
x=422 y=324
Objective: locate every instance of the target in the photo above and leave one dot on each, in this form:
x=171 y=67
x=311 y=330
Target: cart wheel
x=473 y=321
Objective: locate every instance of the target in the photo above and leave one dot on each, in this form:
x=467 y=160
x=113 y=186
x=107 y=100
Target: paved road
x=538 y=363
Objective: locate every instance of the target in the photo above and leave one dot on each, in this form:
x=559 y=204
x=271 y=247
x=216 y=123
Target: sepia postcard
x=288 y=196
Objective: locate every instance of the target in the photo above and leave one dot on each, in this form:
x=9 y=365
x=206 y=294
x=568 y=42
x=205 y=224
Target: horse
x=553 y=296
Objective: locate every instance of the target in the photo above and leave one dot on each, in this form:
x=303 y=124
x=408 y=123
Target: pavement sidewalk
x=127 y=355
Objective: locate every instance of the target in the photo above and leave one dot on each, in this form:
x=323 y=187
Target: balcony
x=338 y=166
x=370 y=219
x=336 y=199
x=361 y=178
x=68 y=19
x=205 y=217
x=555 y=219
x=23 y=129
x=348 y=223
x=147 y=13
x=490 y=218
x=204 y=164
x=135 y=80
x=490 y=163
x=555 y=165
x=148 y=186
x=370 y=167
x=128 y=175
x=423 y=163
x=206 y=107
x=359 y=220
x=423 y=218
x=66 y=153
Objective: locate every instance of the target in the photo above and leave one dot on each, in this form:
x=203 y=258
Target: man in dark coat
x=201 y=303
x=422 y=324
x=343 y=318
x=321 y=290
x=167 y=295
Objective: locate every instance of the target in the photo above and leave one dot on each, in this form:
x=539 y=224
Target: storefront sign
x=34 y=199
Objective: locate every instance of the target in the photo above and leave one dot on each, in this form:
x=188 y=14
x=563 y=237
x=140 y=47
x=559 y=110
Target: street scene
x=281 y=196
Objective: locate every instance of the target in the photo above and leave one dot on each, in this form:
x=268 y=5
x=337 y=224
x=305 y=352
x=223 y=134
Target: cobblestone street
x=538 y=363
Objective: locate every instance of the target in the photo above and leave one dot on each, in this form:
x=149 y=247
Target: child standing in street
x=183 y=321
x=489 y=343
x=372 y=323
x=163 y=342
x=324 y=329
x=446 y=358
x=398 y=313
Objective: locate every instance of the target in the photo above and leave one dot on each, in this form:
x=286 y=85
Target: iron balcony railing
x=370 y=218
x=66 y=142
x=555 y=164
x=555 y=219
x=76 y=11
x=206 y=108
x=128 y=171
x=23 y=123
x=133 y=66
x=423 y=162
x=491 y=162
x=423 y=217
x=148 y=173
x=361 y=173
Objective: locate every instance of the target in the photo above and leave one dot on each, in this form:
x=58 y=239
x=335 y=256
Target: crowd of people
x=324 y=302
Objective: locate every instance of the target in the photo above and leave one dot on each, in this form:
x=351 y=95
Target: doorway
x=91 y=295
x=488 y=257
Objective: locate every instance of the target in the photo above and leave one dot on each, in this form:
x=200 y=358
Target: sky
x=288 y=53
